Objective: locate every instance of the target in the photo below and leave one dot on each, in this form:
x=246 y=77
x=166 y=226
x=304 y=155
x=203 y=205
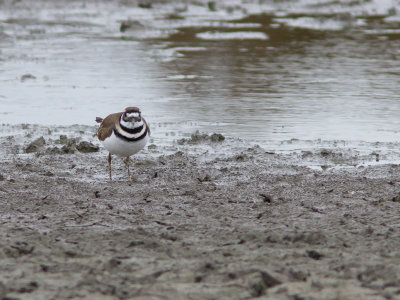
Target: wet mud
x=197 y=222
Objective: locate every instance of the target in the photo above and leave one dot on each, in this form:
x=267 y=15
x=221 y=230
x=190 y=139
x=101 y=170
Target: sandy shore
x=197 y=222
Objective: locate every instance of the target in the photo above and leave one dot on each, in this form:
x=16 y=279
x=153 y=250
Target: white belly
x=122 y=148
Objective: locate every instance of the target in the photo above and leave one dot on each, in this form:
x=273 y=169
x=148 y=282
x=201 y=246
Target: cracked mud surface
x=197 y=222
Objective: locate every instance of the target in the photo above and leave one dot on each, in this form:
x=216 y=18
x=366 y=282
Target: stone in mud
x=168 y=236
x=306 y=154
x=35 y=145
x=70 y=146
x=86 y=147
x=396 y=198
x=112 y=264
x=197 y=138
x=205 y=178
x=298 y=275
x=314 y=254
x=25 y=287
x=259 y=282
x=266 y=198
x=19 y=249
x=130 y=25
x=135 y=243
x=217 y=137
x=241 y=157
x=325 y=153
x=68 y=149
x=63 y=139
x=27 y=77
x=212 y=5
x=48 y=173
x=207 y=267
x=145 y=4
x=53 y=151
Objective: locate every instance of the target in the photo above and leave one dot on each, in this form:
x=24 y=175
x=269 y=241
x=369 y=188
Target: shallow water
x=262 y=72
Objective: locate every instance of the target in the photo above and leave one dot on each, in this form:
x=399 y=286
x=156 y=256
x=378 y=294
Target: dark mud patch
x=198 y=138
x=245 y=223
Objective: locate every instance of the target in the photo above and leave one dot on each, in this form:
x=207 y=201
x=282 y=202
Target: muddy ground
x=202 y=219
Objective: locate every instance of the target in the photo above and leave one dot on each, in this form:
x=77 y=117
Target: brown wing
x=107 y=126
x=147 y=126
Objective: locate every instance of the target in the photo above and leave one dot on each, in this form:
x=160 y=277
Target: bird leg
x=127 y=164
x=109 y=165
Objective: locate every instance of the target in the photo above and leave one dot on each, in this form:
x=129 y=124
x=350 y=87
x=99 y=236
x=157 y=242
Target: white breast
x=122 y=148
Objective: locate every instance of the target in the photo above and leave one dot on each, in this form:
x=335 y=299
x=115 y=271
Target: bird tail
x=99 y=120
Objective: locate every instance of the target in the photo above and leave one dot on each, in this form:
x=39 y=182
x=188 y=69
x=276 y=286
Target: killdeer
x=123 y=134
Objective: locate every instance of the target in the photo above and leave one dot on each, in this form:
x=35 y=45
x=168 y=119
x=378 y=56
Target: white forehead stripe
x=133 y=114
